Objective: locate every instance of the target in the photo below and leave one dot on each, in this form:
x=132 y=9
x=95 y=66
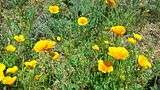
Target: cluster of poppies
x=40 y=46
x=47 y=46
x=6 y=74
x=118 y=53
x=121 y=53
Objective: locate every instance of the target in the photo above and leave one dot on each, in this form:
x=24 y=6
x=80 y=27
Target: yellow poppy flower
x=1 y=75
x=111 y=3
x=132 y=40
x=2 y=67
x=9 y=80
x=12 y=70
x=144 y=62
x=105 y=67
x=31 y=64
x=118 y=30
x=19 y=38
x=10 y=48
x=44 y=45
x=137 y=36
x=37 y=77
x=95 y=47
x=82 y=21
x=55 y=55
x=119 y=53
x=54 y=9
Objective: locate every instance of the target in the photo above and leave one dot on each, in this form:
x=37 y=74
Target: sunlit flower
x=2 y=67
x=37 y=77
x=58 y=38
x=111 y=3
x=1 y=75
x=132 y=40
x=118 y=30
x=55 y=55
x=31 y=64
x=19 y=38
x=119 y=53
x=10 y=48
x=9 y=80
x=12 y=70
x=144 y=62
x=137 y=36
x=82 y=21
x=44 y=45
x=95 y=47
x=54 y=9
x=105 y=67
